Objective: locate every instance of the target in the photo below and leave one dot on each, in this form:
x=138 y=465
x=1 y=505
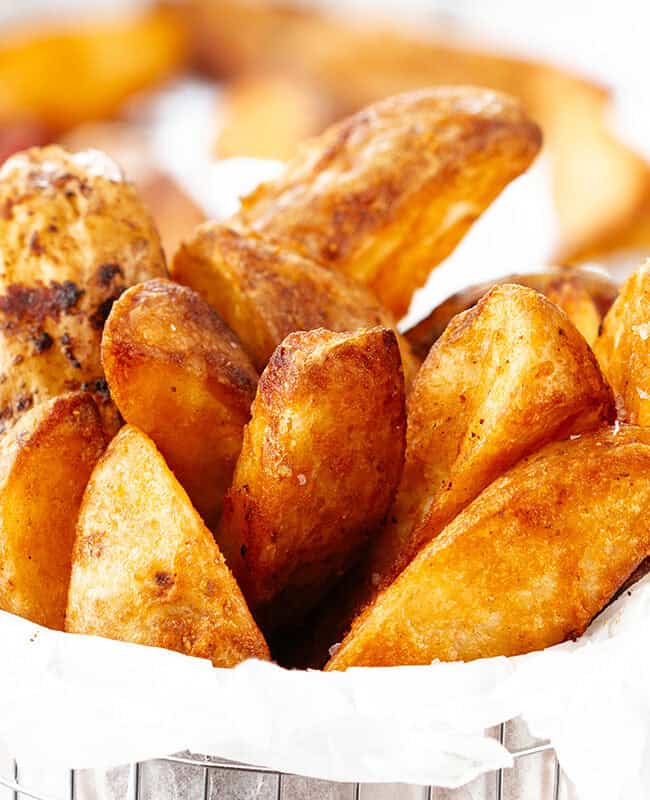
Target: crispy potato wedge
x=73 y=236
x=45 y=463
x=286 y=109
x=318 y=470
x=145 y=568
x=623 y=348
x=506 y=377
x=265 y=292
x=177 y=372
x=387 y=193
x=527 y=565
x=174 y=212
x=600 y=185
x=67 y=72
x=584 y=295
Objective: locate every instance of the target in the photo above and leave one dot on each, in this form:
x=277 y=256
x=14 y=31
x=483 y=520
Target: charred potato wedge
x=623 y=348
x=145 y=569
x=318 y=470
x=527 y=565
x=73 y=236
x=176 y=371
x=584 y=295
x=45 y=463
x=507 y=377
x=386 y=194
x=265 y=292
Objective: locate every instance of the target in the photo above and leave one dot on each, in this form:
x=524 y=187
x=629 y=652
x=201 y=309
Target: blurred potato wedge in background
x=145 y=568
x=45 y=463
x=584 y=295
x=68 y=71
x=387 y=193
x=73 y=236
x=287 y=110
x=318 y=470
x=527 y=565
x=623 y=348
x=505 y=378
x=265 y=292
x=131 y=145
x=177 y=372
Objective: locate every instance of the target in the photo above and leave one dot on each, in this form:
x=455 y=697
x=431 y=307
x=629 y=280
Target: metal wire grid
x=208 y=764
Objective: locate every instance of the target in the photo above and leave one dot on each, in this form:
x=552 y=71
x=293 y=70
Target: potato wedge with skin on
x=527 y=565
x=318 y=470
x=623 y=348
x=507 y=377
x=265 y=292
x=176 y=371
x=45 y=463
x=73 y=236
x=584 y=295
x=145 y=568
x=387 y=193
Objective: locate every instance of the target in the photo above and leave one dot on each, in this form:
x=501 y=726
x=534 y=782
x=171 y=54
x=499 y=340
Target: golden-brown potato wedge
x=174 y=212
x=387 y=193
x=45 y=463
x=64 y=73
x=145 y=569
x=623 y=348
x=73 y=236
x=318 y=470
x=177 y=372
x=600 y=185
x=265 y=292
x=584 y=295
x=285 y=110
x=527 y=565
x=506 y=377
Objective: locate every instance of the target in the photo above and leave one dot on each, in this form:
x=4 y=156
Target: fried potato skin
x=265 y=292
x=176 y=371
x=623 y=348
x=527 y=565
x=387 y=193
x=320 y=463
x=584 y=295
x=146 y=569
x=45 y=463
x=73 y=236
x=507 y=377
x=74 y=70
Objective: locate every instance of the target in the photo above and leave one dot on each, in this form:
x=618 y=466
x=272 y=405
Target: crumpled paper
x=77 y=702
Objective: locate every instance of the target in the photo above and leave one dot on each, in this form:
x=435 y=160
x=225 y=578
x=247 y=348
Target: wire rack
x=198 y=777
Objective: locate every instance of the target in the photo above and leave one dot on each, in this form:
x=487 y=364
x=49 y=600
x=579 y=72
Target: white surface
x=82 y=701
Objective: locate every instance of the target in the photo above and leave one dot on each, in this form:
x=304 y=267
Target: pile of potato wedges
x=231 y=451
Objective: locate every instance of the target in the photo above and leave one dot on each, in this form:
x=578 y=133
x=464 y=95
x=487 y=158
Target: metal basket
x=536 y=776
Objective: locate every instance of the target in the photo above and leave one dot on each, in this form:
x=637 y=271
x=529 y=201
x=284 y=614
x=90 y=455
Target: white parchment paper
x=76 y=701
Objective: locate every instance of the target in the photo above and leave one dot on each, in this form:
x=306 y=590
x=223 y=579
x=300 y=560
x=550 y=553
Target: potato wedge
x=145 y=569
x=507 y=377
x=66 y=72
x=265 y=292
x=45 y=463
x=527 y=565
x=73 y=236
x=286 y=109
x=584 y=295
x=623 y=348
x=177 y=372
x=318 y=470
x=386 y=194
